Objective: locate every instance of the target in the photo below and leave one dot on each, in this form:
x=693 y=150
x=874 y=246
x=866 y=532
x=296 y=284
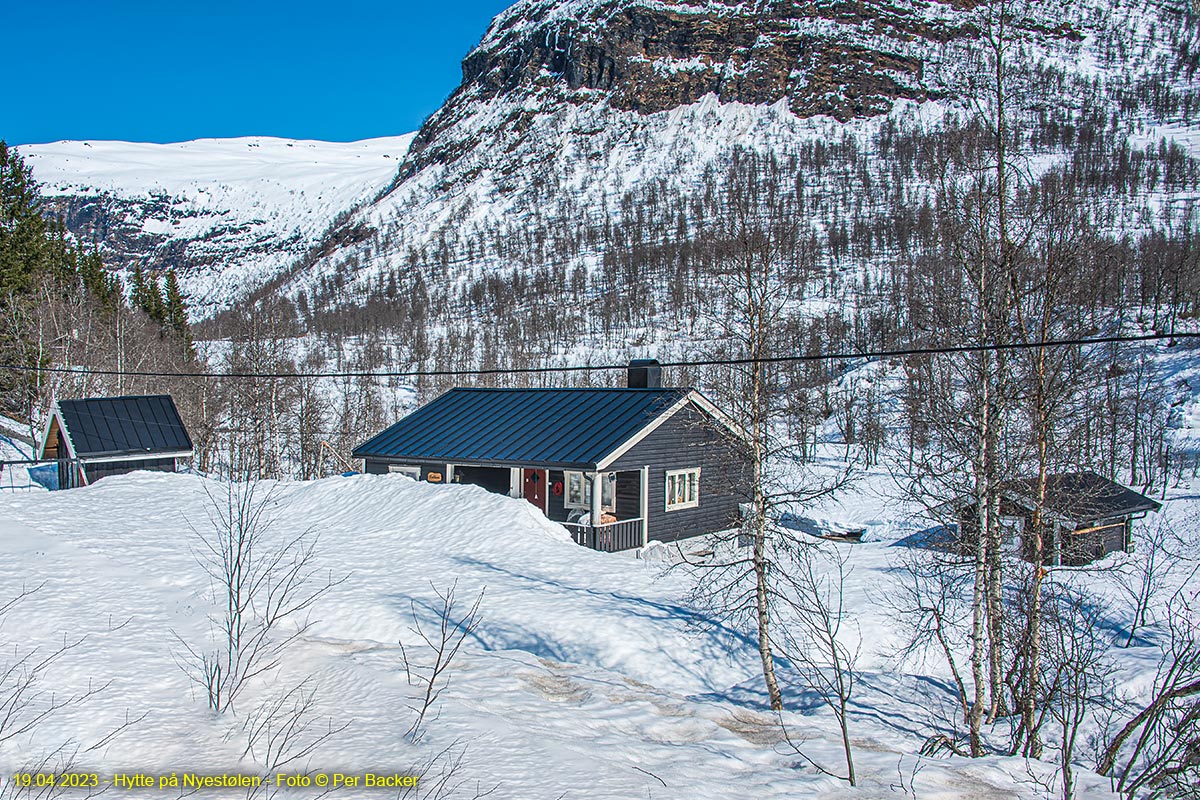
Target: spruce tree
x=146 y=296
x=154 y=295
x=176 y=317
x=137 y=286
x=99 y=282
x=62 y=261
x=24 y=248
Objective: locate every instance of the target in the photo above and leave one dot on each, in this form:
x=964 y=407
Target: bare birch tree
x=929 y=609
x=966 y=400
x=263 y=588
x=814 y=635
x=1156 y=752
x=430 y=670
x=284 y=732
x=761 y=263
x=1075 y=676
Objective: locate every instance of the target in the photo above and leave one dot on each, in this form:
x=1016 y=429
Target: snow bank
x=591 y=674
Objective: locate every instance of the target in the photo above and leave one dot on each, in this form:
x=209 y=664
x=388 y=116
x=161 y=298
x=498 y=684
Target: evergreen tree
x=24 y=249
x=146 y=295
x=137 y=287
x=99 y=282
x=61 y=258
x=158 y=306
x=175 y=315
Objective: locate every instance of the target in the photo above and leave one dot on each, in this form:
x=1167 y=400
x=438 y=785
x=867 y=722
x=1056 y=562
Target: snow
x=269 y=171
x=251 y=205
x=591 y=674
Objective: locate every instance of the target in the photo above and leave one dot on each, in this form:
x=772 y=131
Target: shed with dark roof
x=94 y=437
x=1084 y=516
x=617 y=466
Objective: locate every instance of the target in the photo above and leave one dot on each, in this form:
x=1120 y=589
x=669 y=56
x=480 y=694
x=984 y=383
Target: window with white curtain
x=578 y=492
x=683 y=488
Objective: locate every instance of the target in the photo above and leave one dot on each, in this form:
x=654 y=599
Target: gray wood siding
x=690 y=439
x=376 y=467
x=103 y=469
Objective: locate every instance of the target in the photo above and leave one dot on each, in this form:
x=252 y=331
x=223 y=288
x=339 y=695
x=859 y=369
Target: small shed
x=617 y=467
x=1086 y=517
x=92 y=438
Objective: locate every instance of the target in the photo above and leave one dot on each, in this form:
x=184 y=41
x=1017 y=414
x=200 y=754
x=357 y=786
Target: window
x=578 y=493
x=404 y=469
x=1011 y=533
x=683 y=488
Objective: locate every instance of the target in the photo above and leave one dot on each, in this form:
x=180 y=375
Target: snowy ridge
x=232 y=211
x=597 y=154
x=498 y=159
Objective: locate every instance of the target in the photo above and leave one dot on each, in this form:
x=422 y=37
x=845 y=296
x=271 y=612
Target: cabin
x=618 y=467
x=1086 y=517
x=94 y=437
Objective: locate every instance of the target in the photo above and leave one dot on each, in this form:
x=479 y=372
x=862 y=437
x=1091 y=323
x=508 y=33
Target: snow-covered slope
x=591 y=675
x=575 y=116
x=227 y=213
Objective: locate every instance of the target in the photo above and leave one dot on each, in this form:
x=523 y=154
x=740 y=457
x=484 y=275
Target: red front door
x=535 y=488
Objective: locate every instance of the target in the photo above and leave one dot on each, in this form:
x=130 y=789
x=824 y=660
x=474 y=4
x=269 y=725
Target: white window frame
x=407 y=470
x=583 y=490
x=687 y=479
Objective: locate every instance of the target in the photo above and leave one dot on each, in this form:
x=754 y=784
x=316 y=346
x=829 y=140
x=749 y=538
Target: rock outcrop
x=841 y=58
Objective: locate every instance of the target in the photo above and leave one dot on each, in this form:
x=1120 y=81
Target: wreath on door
x=557 y=488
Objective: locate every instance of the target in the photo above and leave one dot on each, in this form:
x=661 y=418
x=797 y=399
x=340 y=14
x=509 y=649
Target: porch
x=602 y=510
x=609 y=537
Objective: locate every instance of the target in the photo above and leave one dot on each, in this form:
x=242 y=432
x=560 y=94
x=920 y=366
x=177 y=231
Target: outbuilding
x=618 y=467
x=92 y=438
x=1085 y=517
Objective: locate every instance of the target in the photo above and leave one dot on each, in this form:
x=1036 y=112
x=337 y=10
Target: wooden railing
x=610 y=537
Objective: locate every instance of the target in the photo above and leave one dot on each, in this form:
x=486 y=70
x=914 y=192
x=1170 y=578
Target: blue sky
x=172 y=70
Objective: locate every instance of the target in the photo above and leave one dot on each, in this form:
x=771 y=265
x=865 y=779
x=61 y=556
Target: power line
x=712 y=362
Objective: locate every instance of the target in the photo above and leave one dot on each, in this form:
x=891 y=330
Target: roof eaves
x=651 y=426
x=63 y=430
x=127 y=455
x=484 y=462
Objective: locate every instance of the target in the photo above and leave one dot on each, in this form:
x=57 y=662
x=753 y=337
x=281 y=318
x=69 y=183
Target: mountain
x=223 y=213
x=589 y=135
x=569 y=109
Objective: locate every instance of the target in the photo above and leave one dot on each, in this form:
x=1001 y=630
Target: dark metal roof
x=1082 y=496
x=119 y=426
x=522 y=427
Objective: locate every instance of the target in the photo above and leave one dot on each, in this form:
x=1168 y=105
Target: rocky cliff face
x=842 y=58
x=656 y=58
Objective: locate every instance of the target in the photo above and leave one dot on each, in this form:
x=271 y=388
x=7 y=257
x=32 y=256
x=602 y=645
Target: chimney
x=644 y=373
